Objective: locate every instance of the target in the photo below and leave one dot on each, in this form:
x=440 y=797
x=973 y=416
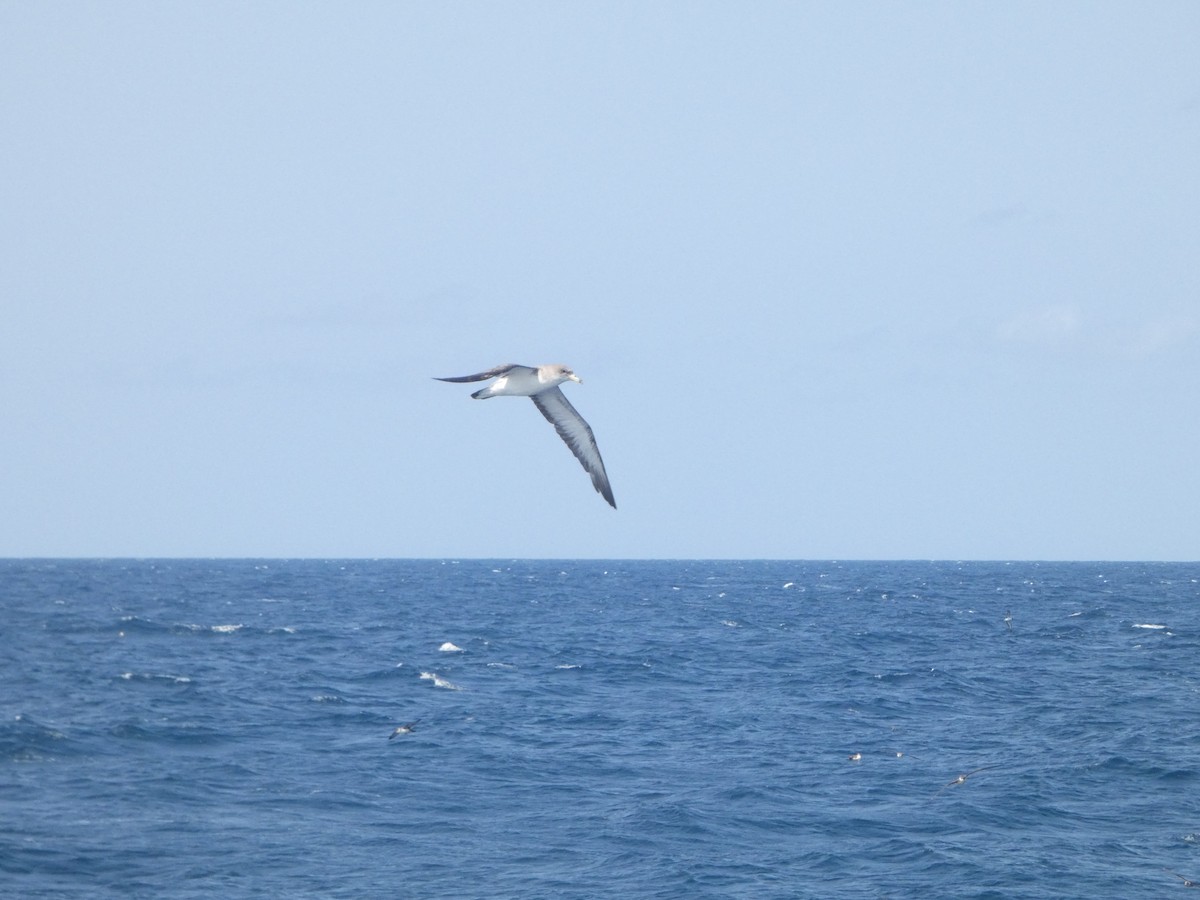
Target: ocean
x=656 y=729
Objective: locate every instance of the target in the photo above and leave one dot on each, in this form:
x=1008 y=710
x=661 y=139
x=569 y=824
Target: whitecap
x=174 y=679
x=226 y=629
x=789 y=584
x=448 y=647
x=439 y=681
x=730 y=623
x=1154 y=627
x=568 y=666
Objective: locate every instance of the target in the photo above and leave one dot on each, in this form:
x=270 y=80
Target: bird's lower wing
x=577 y=435
x=484 y=376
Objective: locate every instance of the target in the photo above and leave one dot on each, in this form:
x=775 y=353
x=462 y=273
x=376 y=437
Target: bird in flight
x=406 y=728
x=962 y=779
x=540 y=384
x=1187 y=882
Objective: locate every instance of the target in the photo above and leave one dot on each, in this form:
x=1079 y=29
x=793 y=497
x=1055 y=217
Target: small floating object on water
x=854 y=757
x=450 y=648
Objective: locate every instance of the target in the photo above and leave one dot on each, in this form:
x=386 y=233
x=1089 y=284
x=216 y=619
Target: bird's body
x=540 y=384
x=962 y=779
x=1187 y=882
x=406 y=728
x=518 y=381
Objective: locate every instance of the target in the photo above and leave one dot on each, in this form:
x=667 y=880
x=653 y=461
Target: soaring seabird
x=962 y=779
x=406 y=728
x=540 y=384
x=1187 y=882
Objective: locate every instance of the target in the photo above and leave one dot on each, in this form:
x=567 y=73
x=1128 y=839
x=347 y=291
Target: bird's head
x=565 y=373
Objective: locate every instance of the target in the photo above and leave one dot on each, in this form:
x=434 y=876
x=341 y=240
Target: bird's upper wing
x=490 y=373
x=577 y=435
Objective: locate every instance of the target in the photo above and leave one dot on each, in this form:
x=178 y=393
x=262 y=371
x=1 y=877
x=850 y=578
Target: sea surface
x=220 y=728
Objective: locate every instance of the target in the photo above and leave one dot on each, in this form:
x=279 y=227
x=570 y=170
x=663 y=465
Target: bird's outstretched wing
x=484 y=376
x=1187 y=882
x=577 y=435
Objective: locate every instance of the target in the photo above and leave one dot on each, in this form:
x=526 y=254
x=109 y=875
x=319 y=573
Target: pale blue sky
x=869 y=280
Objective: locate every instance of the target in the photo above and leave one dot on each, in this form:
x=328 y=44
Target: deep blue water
x=639 y=729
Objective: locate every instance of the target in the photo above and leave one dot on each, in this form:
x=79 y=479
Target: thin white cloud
x=1055 y=324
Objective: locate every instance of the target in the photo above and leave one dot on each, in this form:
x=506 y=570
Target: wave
x=439 y=681
x=152 y=678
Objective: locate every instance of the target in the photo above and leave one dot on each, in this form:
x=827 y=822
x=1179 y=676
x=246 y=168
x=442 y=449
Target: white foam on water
x=174 y=679
x=215 y=629
x=439 y=681
x=450 y=648
x=1154 y=627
